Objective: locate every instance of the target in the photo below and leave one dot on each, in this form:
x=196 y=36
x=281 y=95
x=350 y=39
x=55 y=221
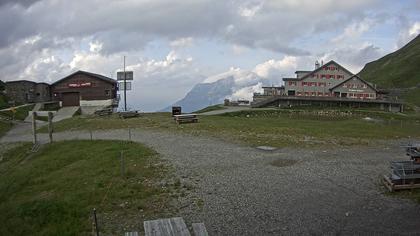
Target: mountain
x=233 y=84
x=400 y=69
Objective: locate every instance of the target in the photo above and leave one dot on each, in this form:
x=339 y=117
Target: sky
x=173 y=45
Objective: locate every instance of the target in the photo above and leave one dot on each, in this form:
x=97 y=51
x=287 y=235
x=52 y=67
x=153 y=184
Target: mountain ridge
x=399 y=69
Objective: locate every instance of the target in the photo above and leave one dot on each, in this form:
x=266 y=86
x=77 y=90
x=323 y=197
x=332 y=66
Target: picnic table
x=186 y=118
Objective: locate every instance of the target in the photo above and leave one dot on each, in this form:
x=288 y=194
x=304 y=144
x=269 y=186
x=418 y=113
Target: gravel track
x=237 y=191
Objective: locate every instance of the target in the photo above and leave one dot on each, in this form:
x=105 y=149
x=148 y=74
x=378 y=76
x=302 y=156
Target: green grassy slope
x=53 y=191
x=399 y=69
x=211 y=108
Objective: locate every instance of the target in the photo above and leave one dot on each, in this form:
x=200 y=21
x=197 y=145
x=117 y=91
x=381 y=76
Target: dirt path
x=239 y=190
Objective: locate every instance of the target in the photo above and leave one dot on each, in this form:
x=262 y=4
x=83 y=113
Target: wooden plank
x=392 y=187
x=131 y=234
x=166 y=227
x=406 y=186
x=388 y=183
x=199 y=229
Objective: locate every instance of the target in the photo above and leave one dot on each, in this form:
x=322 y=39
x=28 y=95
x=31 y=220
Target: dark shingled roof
x=19 y=81
x=98 y=76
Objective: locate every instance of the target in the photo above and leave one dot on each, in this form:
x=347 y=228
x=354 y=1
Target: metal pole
x=50 y=126
x=125 y=89
x=34 y=127
x=96 y=222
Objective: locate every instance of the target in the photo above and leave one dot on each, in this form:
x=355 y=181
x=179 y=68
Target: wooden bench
x=172 y=227
x=186 y=118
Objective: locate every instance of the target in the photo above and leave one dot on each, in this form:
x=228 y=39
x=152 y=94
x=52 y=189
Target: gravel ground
x=239 y=190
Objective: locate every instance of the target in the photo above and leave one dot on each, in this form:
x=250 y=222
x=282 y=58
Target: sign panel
x=78 y=85
x=128 y=75
x=121 y=86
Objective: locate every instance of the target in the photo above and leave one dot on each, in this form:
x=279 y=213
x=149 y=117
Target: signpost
x=124 y=76
x=126 y=85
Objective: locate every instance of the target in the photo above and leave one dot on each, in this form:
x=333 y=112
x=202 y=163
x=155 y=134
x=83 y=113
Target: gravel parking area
x=239 y=190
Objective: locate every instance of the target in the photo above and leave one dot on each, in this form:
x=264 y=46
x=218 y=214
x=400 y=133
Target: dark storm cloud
x=271 y=25
x=25 y=3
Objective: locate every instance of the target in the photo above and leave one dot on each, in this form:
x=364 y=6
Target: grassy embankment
x=21 y=112
x=272 y=127
x=53 y=191
x=211 y=108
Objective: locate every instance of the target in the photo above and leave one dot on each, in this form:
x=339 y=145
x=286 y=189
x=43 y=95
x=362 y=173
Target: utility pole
x=125 y=89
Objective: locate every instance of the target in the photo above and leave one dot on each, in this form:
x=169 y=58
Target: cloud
x=275 y=69
x=133 y=24
x=354 y=30
x=25 y=3
x=182 y=42
x=354 y=57
x=246 y=93
x=408 y=33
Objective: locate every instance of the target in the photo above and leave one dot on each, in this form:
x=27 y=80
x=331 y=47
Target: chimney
x=316 y=64
x=322 y=62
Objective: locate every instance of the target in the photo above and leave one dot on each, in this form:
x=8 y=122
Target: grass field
x=272 y=127
x=4 y=127
x=53 y=191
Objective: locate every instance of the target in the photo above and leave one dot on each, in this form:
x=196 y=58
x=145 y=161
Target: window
x=107 y=92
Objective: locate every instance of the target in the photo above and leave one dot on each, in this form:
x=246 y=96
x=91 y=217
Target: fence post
x=50 y=126
x=122 y=163
x=129 y=134
x=96 y=222
x=91 y=136
x=34 y=127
